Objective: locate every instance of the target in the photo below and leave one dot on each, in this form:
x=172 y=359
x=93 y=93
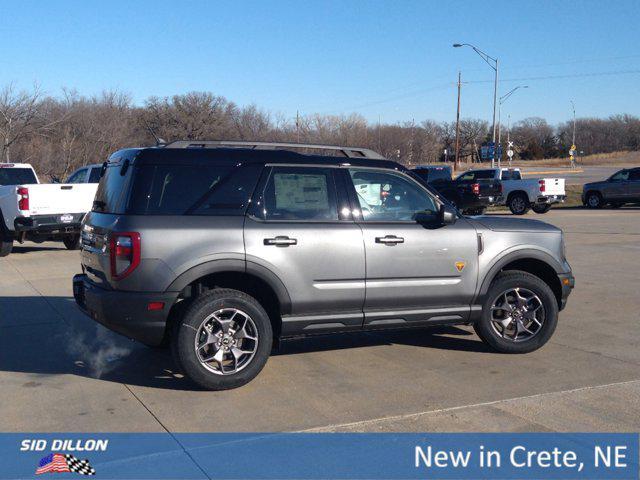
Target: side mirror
x=448 y=215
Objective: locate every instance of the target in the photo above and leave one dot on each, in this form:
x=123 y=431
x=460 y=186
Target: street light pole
x=495 y=96
x=488 y=59
x=573 y=139
x=501 y=100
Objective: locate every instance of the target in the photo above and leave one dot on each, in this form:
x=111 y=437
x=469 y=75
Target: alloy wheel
x=226 y=341
x=517 y=314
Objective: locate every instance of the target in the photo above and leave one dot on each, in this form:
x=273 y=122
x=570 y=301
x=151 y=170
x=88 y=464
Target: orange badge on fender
x=460 y=265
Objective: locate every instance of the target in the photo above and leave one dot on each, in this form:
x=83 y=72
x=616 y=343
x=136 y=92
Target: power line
x=552 y=77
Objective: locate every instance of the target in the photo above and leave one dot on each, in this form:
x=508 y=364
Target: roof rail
x=350 y=152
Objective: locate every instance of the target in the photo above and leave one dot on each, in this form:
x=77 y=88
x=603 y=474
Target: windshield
x=17 y=176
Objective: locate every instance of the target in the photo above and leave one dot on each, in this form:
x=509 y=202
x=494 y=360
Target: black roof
x=155 y=155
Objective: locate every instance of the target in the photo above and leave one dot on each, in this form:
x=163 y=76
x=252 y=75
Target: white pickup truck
x=520 y=195
x=37 y=212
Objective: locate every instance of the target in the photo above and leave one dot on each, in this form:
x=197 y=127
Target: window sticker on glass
x=300 y=192
x=370 y=193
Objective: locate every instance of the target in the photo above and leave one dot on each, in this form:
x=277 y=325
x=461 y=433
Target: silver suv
x=223 y=248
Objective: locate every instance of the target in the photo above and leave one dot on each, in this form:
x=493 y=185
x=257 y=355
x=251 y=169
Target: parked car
x=470 y=195
x=521 y=194
x=38 y=212
x=87 y=174
x=223 y=251
x=620 y=188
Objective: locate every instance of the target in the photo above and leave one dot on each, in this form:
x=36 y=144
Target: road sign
x=510 y=153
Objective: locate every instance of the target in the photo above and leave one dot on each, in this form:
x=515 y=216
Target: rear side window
x=79 y=177
x=511 y=175
x=299 y=193
x=94 y=176
x=17 y=176
x=634 y=175
x=184 y=189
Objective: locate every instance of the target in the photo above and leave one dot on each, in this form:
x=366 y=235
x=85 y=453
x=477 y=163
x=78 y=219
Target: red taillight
x=542 y=186
x=155 y=306
x=23 y=198
x=124 y=253
x=475 y=188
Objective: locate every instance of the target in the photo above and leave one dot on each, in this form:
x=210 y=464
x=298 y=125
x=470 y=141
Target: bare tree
x=18 y=117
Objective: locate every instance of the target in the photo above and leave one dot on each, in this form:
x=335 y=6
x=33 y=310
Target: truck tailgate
x=53 y=198
x=553 y=186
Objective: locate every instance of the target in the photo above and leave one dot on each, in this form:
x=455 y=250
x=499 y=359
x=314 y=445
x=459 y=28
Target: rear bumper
x=475 y=201
x=124 y=312
x=567 y=281
x=49 y=224
x=551 y=198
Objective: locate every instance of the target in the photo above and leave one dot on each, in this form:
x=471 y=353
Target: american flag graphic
x=64 y=463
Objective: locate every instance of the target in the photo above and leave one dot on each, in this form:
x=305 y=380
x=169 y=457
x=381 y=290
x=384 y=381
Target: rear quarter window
x=112 y=190
x=192 y=189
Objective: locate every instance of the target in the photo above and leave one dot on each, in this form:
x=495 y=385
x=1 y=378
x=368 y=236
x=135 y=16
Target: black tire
x=541 y=208
x=518 y=279
x=593 y=200
x=518 y=203
x=6 y=246
x=71 y=242
x=184 y=347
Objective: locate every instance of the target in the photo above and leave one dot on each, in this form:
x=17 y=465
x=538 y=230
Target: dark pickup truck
x=471 y=195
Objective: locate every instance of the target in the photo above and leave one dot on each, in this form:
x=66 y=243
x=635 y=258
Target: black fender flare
x=526 y=253
x=235 y=265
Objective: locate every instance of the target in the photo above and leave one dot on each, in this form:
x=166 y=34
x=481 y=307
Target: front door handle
x=389 y=240
x=280 y=241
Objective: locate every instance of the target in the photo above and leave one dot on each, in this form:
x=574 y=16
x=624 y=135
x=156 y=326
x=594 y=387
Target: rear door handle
x=389 y=240
x=280 y=241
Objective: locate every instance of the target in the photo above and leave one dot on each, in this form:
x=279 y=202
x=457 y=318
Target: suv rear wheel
x=71 y=242
x=223 y=340
x=594 y=200
x=6 y=246
x=519 y=315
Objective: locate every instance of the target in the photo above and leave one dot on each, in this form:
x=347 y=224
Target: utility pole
x=298 y=126
x=455 y=167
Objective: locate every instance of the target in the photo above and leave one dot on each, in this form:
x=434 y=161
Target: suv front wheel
x=519 y=315
x=223 y=340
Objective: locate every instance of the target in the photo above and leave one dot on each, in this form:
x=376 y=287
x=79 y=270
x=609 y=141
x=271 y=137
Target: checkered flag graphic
x=83 y=467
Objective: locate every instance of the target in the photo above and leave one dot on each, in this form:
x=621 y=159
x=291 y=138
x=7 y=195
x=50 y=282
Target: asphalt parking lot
x=61 y=372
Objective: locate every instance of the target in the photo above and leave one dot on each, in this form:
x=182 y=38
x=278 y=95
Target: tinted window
x=294 y=193
x=111 y=193
x=78 y=177
x=634 y=175
x=466 y=177
x=433 y=174
x=510 y=175
x=622 y=175
x=189 y=189
x=17 y=176
x=386 y=196
x=94 y=176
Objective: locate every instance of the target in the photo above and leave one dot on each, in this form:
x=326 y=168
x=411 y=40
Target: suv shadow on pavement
x=78 y=346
